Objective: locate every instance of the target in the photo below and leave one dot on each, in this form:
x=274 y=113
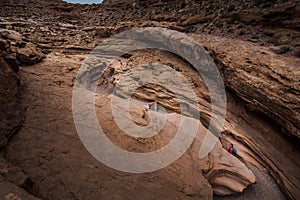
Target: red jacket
x=230 y=150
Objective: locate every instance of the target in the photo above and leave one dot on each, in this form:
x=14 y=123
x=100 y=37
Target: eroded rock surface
x=260 y=78
x=12 y=177
x=218 y=172
x=260 y=121
x=265 y=127
x=10 y=115
x=10 y=192
x=263 y=95
x=262 y=22
x=62 y=155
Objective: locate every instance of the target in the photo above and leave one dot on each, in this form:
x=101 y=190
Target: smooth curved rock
x=265 y=124
x=264 y=80
x=49 y=152
x=66 y=163
x=225 y=173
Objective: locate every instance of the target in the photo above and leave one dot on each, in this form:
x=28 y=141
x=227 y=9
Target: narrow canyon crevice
x=56 y=153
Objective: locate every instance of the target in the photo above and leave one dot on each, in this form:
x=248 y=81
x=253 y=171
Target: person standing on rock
x=232 y=150
x=152 y=106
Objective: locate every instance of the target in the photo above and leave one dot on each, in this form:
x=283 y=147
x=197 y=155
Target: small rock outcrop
x=29 y=54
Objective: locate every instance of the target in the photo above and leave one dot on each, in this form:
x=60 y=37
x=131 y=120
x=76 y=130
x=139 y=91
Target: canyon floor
x=47 y=146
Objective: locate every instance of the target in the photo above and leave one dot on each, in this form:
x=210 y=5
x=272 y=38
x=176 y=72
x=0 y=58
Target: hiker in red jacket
x=232 y=150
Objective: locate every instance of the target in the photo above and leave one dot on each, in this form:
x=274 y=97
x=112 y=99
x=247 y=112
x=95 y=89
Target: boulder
x=29 y=54
x=15 y=50
x=11 y=35
x=9 y=191
x=9 y=41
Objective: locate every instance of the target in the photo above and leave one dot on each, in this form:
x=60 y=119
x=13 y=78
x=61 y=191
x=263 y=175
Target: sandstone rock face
x=11 y=115
x=265 y=127
x=223 y=172
x=228 y=175
x=10 y=191
x=260 y=79
x=265 y=89
x=219 y=172
x=10 y=40
x=263 y=22
x=29 y=54
x=263 y=97
x=62 y=155
x=11 y=57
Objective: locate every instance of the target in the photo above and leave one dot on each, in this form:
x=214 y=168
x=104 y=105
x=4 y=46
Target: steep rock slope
x=263 y=106
x=268 y=86
x=268 y=83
